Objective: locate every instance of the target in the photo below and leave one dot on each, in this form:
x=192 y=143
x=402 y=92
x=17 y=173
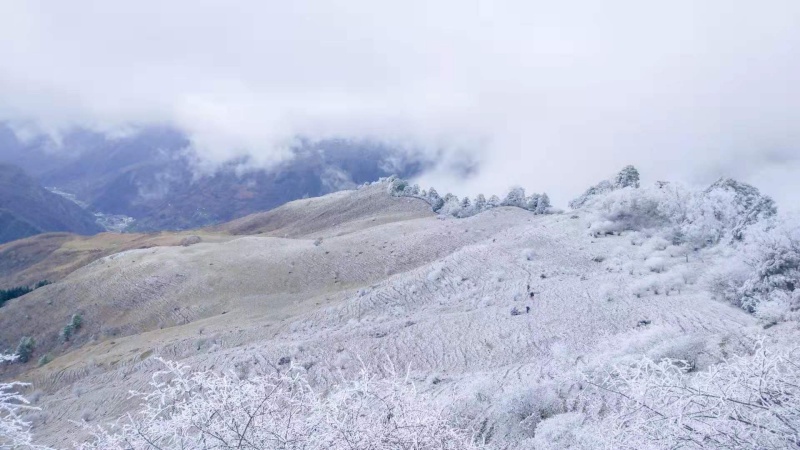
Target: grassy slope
x=433 y=295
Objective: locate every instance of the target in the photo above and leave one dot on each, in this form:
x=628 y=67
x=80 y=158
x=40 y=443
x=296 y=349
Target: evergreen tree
x=543 y=204
x=627 y=177
x=480 y=203
x=25 y=349
x=532 y=202
x=434 y=199
x=515 y=197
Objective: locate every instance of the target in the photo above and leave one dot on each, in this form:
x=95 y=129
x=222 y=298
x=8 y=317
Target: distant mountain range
x=150 y=176
x=27 y=209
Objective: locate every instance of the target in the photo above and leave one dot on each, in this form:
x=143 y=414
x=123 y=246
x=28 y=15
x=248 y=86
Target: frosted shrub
x=654 y=244
x=605 y=227
x=778 y=306
x=750 y=401
x=697 y=218
x=14 y=429
x=656 y=264
x=204 y=410
x=725 y=280
x=562 y=431
x=627 y=209
x=601 y=188
x=765 y=270
x=647 y=285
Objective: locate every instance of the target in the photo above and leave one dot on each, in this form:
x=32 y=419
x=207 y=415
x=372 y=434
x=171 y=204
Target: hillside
x=52 y=256
x=499 y=318
x=27 y=209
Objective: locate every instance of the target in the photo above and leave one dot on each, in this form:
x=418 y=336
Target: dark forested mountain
x=26 y=208
x=152 y=177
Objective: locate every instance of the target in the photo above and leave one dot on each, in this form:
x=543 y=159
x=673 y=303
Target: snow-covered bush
x=750 y=401
x=207 y=410
x=594 y=191
x=14 y=429
x=628 y=209
x=562 y=431
x=764 y=275
x=683 y=216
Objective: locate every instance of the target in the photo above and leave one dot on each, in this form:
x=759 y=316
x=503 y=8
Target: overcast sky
x=550 y=95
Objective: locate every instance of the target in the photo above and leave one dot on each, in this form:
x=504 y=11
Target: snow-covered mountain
x=647 y=317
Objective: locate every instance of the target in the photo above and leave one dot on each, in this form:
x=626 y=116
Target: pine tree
x=480 y=203
x=542 y=204
x=434 y=199
x=25 y=349
x=627 y=177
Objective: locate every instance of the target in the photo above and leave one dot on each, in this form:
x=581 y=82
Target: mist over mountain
x=417 y=225
x=154 y=177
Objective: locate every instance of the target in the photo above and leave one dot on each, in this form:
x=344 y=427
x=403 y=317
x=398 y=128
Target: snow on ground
x=432 y=296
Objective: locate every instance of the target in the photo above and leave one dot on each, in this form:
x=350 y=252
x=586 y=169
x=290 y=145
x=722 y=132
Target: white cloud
x=548 y=95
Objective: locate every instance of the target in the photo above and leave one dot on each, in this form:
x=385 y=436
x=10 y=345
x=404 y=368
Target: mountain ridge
x=27 y=209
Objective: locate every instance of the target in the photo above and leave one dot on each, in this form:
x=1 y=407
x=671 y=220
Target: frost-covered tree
x=494 y=201
x=515 y=197
x=750 y=206
x=25 y=349
x=411 y=190
x=594 y=191
x=480 y=203
x=435 y=200
x=206 y=410
x=532 y=202
x=451 y=207
x=749 y=401
x=627 y=177
x=542 y=204
x=397 y=186
x=763 y=276
x=466 y=208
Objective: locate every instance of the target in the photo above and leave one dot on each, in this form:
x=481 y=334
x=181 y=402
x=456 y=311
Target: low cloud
x=548 y=95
